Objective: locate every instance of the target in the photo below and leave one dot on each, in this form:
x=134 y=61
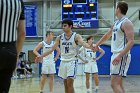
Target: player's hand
x=95 y=48
x=55 y=59
x=86 y=61
x=117 y=60
x=95 y=59
x=38 y=59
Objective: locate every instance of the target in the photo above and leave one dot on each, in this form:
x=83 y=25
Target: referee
x=12 y=36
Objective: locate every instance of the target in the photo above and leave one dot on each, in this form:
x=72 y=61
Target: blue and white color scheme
x=84 y=13
x=31 y=17
x=118 y=43
x=88 y=54
x=69 y=52
x=68 y=47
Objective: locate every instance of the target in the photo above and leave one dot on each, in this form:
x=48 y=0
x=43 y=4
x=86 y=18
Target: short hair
x=67 y=21
x=123 y=6
x=48 y=33
x=89 y=37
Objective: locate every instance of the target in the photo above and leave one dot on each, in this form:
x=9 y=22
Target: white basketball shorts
x=122 y=68
x=48 y=67
x=67 y=69
x=91 y=67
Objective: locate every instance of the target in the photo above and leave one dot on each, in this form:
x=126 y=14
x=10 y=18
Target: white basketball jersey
x=119 y=40
x=46 y=47
x=68 y=47
x=89 y=54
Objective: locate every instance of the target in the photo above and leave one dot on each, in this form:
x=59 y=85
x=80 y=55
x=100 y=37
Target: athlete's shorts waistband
x=119 y=52
x=68 y=60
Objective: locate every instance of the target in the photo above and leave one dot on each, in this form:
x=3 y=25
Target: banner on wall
x=31 y=20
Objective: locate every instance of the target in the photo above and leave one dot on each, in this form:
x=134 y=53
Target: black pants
x=29 y=69
x=20 y=71
x=5 y=80
x=8 y=58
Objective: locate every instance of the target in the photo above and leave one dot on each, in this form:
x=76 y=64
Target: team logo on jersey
x=89 y=51
x=47 y=47
x=67 y=43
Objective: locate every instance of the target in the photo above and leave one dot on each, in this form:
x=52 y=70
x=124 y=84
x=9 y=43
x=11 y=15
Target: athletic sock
x=97 y=87
x=88 y=89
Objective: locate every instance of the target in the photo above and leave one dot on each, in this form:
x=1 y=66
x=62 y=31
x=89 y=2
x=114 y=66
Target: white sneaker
x=96 y=90
x=88 y=91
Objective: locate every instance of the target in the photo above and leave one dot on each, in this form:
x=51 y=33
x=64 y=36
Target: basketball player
x=48 y=65
x=89 y=58
x=122 y=33
x=68 y=42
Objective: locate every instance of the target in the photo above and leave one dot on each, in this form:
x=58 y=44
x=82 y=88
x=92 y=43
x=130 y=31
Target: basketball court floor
x=31 y=85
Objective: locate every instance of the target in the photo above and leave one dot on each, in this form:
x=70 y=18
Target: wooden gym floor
x=31 y=85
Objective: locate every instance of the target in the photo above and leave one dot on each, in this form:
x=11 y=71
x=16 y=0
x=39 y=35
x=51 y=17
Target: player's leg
x=87 y=82
x=96 y=79
x=116 y=81
x=71 y=72
x=65 y=86
x=51 y=83
x=42 y=82
x=121 y=84
x=95 y=75
x=87 y=72
x=70 y=85
x=115 y=71
x=126 y=66
x=63 y=74
x=51 y=71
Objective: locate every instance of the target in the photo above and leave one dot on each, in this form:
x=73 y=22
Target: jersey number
x=114 y=37
x=66 y=49
x=90 y=54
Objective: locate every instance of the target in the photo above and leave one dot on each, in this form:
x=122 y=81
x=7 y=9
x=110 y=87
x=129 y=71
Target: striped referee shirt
x=11 y=11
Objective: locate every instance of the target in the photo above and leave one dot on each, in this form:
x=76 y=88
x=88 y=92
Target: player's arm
x=81 y=50
x=52 y=48
x=79 y=56
x=80 y=41
x=128 y=29
x=58 y=53
x=37 y=48
x=102 y=52
x=105 y=37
